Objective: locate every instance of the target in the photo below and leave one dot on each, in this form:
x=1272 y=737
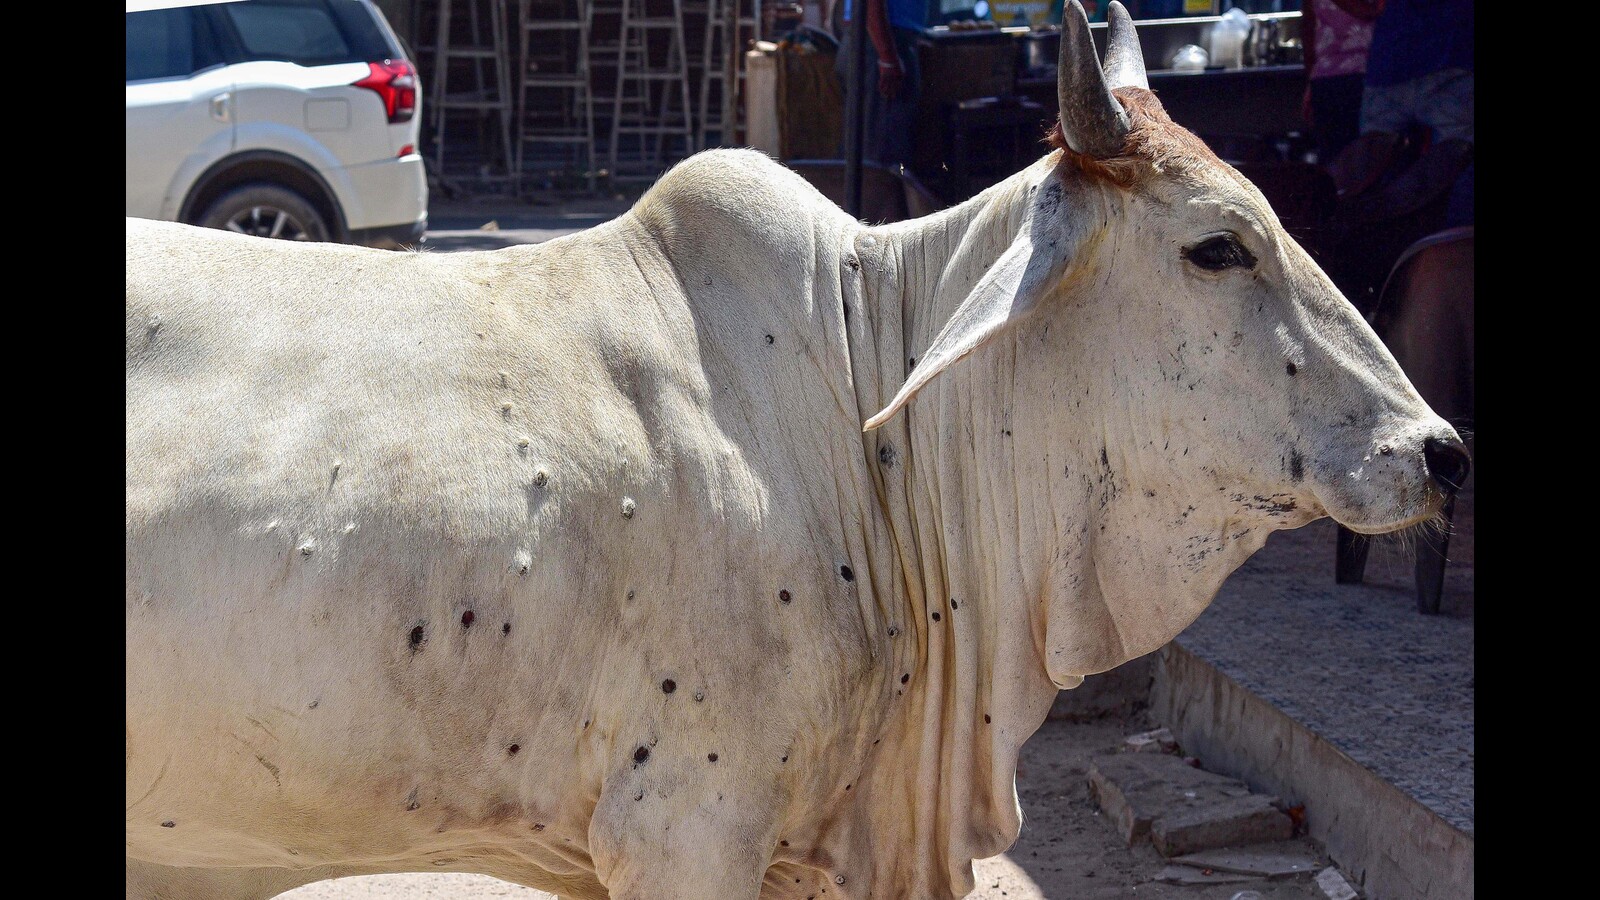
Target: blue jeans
x=1440 y=100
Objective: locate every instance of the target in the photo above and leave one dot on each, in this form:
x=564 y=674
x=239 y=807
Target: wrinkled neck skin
x=1006 y=545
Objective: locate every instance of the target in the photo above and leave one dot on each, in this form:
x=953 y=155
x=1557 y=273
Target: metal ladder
x=605 y=18
x=650 y=108
x=490 y=96
x=714 y=70
x=555 y=99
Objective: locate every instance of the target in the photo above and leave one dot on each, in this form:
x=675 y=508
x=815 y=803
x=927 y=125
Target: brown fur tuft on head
x=1154 y=143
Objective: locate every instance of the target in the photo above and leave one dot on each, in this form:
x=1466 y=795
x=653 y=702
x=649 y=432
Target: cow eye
x=1222 y=251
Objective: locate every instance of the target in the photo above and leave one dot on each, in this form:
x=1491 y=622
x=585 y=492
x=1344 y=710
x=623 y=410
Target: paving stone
x=1181 y=809
x=1133 y=789
x=1157 y=741
x=1190 y=875
x=1334 y=885
x=1264 y=861
x=1251 y=819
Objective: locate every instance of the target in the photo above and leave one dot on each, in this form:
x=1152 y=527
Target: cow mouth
x=1431 y=511
x=1382 y=500
x=1390 y=528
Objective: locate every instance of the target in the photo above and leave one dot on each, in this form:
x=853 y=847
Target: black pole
x=730 y=68
x=855 y=107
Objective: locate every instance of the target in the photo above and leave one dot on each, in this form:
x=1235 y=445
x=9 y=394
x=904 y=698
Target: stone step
x=1224 y=823
x=1180 y=809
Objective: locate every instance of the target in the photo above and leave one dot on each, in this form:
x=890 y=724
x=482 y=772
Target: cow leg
x=148 y=881
x=1432 y=552
x=1349 y=557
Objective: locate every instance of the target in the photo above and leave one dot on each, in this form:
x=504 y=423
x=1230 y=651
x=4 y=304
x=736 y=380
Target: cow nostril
x=1448 y=463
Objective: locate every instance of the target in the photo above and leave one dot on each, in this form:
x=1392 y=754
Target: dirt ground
x=1065 y=851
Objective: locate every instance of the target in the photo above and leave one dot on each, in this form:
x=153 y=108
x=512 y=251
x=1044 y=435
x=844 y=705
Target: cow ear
x=1011 y=289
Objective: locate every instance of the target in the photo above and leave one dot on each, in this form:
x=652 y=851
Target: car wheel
x=266 y=210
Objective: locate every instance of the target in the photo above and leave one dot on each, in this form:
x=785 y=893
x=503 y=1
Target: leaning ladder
x=714 y=71
x=650 y=109
x=489 y=97
x=555 y=101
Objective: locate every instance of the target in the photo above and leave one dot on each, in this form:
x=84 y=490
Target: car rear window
x=308 y=32
x=168 y=43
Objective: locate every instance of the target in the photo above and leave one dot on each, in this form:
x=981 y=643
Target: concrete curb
x=1396 y=847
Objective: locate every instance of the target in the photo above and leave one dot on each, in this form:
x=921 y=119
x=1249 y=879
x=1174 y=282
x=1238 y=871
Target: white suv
x=291 y=119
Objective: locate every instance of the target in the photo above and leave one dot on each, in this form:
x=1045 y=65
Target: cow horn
x=1124 y=57
x=1092 y=120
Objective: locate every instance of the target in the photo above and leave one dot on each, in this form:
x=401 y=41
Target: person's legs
x=1441 y=100
x=898 y=115
x=1449 y=113
x=1387 y=107
x=1444 y=103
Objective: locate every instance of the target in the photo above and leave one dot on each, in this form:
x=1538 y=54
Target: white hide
x=636 y=455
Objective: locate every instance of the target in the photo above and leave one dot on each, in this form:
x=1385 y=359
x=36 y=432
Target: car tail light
x=396 y=82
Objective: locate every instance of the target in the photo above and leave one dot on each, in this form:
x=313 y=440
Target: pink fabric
x=1342 y=41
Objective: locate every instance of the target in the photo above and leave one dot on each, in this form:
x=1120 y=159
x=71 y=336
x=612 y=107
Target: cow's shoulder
x=736 y=178
x=730 y=201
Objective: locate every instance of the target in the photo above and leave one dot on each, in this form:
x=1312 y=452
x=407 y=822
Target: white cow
x=574 y=564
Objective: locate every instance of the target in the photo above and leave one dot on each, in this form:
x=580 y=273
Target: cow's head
x=1175 y=345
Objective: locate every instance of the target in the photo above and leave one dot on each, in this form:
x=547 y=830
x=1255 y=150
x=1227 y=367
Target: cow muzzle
x=1395 y=481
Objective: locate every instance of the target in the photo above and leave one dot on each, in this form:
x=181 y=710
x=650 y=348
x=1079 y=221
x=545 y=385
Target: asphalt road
x=491 y=227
